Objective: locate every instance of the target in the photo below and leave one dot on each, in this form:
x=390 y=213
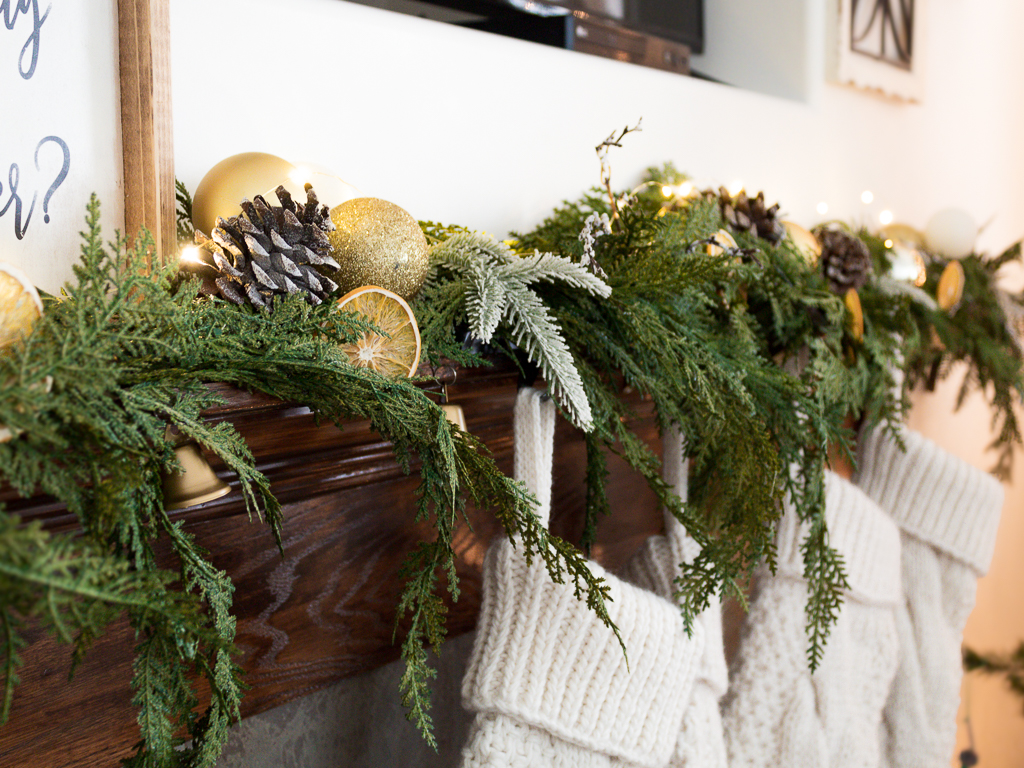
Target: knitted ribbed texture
x=548 y=679
x=933 y=495
x=655 y=567
x=776 y=711
x=857 y=529
x=948 y=513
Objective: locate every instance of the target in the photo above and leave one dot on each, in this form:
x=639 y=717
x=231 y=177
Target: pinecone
x=272 y=251
x=750 y=215
x=845 y=260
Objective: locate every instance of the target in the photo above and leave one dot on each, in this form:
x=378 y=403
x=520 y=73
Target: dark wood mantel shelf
x=324 y=610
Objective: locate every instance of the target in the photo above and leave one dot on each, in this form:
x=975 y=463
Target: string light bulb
x=888 y=243
x=734 y=188
x=190 y=255
x=885 y=218
x=867 y=197
x=666 y=191
x=822 y=208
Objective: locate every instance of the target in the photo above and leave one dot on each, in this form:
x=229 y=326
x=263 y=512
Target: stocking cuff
x=933 y=495
x=544 y=657
x=860 y=531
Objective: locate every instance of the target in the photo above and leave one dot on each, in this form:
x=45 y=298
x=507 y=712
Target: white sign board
x=60 y=132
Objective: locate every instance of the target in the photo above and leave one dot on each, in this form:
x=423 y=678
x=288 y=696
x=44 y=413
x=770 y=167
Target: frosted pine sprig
x=593 y=228
x=498 y=291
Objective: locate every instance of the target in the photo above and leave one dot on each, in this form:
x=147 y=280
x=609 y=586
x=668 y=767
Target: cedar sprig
x=979 y=333
x=676 y=329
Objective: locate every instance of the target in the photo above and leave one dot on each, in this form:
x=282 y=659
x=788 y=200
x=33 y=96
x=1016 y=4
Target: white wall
x=491 y=132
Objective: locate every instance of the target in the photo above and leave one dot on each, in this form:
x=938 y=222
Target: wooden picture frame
x=144 y=54
x=863 y=35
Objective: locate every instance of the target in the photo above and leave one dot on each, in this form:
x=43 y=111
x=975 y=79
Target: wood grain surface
x=325 y=609
x=144 y=54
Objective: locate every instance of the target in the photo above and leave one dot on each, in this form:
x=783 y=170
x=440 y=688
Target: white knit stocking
x=701 y=743
x=548 y=681
x=776 y=711
x=948 y=513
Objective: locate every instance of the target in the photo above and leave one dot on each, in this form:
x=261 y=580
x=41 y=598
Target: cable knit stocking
x=701 y=743
x=948 y=513
x=776 y=711
x=547 y=679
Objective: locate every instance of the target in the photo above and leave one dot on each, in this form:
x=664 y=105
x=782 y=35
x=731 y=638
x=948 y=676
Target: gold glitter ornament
x=378 y=243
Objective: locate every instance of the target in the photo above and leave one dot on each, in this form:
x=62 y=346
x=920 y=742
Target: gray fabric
x=358 y=723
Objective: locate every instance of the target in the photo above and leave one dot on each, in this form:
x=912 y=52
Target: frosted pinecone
x=845 y=260
x=746 y=214
x=266 y=251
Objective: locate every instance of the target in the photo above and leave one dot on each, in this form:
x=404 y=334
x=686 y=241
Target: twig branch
x=606 y=169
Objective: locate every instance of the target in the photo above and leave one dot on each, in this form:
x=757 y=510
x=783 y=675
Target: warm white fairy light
x=685 y=188
x=300 y=174
x=734 y=188
x=667 y=191
x=885 y=218
x=888 y=243
x=190 y=255
x=867 y=197
x=822 y=208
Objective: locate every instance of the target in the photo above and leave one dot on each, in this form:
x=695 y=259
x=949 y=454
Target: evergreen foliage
x=677 y=328
x=493 y=287
x=748 y=352
x=977 y=332
x=124 y=358
x=1009 y=665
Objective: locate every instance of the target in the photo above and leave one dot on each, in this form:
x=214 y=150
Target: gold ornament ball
x=378 y=243
x=230 y=181
x=806 y=243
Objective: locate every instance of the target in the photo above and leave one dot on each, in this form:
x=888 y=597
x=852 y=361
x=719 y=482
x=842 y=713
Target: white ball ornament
x=331 y=189
x=951 y=232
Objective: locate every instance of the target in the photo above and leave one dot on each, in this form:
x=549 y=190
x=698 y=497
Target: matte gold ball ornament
x=233 y=179
x=378 y=243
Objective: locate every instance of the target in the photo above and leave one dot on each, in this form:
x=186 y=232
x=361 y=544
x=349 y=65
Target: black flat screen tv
x=550 y=21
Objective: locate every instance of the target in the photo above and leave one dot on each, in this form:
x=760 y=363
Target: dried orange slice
x=855 y=318
x=20 y=305
x=951 y=287
x=397 y=353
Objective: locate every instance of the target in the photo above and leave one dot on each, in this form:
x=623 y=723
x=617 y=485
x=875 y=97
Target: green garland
x=748 y=352
x=125 y=359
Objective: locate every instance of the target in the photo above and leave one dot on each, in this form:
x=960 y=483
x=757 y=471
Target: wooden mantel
x=325 y=610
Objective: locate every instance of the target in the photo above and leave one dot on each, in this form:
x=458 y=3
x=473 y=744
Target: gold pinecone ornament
x=845 y=260
x=272 y=251
x=746 y=214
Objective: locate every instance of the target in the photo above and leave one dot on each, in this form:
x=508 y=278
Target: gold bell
x=196 y=484
x=453 y=413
